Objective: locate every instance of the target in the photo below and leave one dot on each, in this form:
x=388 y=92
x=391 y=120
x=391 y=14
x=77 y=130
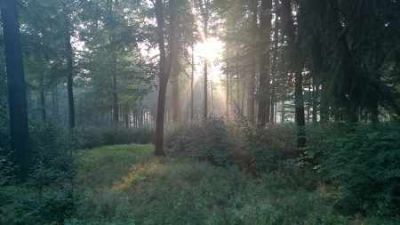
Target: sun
x=210 y=49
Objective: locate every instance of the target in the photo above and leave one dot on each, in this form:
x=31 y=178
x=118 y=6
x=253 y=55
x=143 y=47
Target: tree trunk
x=264 y=81
x=192 y=81
x=115 y=105
x=253 y=73
x=295 y=66
x=43 y=104
x=205 y=109
x=70 y=69
x=165 y=68
x=16 y=89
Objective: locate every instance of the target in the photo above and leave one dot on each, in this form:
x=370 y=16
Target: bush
x=46 y=198
x=95 y=137
x=209 y=141
x=365 y=161
x=272 y=146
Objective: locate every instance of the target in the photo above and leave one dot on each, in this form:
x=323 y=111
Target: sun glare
x=210 y=49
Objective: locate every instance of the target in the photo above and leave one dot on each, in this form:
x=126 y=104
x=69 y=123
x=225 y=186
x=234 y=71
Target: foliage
x=146 y=190
x=209 y=141
x=140 y=189
x=95 y=137
x=364 y=161
x=46 y=197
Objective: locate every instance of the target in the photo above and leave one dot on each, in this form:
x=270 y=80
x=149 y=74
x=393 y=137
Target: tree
x=204 y=6
x=265 y=70
x=165 y=65
x=16 y=88
x=296 y=68
x=69 y=55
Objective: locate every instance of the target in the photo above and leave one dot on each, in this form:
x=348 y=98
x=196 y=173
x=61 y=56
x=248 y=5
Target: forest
x=199 y=112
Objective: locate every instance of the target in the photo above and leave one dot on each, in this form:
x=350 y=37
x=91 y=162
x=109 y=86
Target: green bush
x=272 y=146
x=209 y=141
x=365 y=162
x=95 y=137
x=46 y=198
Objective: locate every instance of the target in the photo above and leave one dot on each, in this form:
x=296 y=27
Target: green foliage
x=147 y=190
x=95 y=137
x=209 y=141
x=46 y=198
x=364 y=161
x=271 y=146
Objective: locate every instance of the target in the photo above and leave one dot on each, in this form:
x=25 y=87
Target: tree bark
x=69 y=54
x=16 y=89
x=253 y=73
x=295 y=66
x=165 y=67
x=264 y=81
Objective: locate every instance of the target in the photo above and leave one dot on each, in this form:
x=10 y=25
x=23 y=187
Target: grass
x=126 y=185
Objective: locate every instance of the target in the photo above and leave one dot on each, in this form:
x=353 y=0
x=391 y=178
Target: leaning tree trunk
x=16 y=89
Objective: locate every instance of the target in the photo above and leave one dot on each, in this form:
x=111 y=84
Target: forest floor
x=126 y=185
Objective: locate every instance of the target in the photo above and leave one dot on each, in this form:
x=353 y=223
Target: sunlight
x=210 y=49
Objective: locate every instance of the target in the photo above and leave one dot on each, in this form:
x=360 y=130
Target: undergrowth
x=136 y=188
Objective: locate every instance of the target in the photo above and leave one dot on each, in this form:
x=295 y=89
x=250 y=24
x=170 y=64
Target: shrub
x=209 y=141
x=365 y=161
x=46 y=198
x=95 y=137
x=272 y=146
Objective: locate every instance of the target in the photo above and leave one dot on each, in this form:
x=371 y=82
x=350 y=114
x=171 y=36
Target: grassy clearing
x=125 y=185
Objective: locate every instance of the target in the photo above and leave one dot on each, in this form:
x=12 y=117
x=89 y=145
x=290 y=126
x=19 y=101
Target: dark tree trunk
x=205 y=109
x=253 y=73
x=324 y=108
x=43 y=105
x=295 y=66
x=165 y=68
x=16 y=89
x=299 y=110
x=176 y=107
x=70 y=70
x=204 y=8
x=115 y=105
x=264 y=81
x=163 y=76
x=192 y=81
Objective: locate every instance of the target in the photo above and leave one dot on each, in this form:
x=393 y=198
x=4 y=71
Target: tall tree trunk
x=315 y=96
x=54 y=101
x=16 y=89
x=253 y=73
x=42 y=96
x=299 y=110
x=176 y=107
x=165 y=67
x=113 y=63
x=295 y=65
x=192 y=79
x=324 y=108
x=205 y=109
x=159 y=135
x=264 y=81
x=43 y=105
x=70 y=68
x=228 y=90
x=204 y=9
x=115 y=105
